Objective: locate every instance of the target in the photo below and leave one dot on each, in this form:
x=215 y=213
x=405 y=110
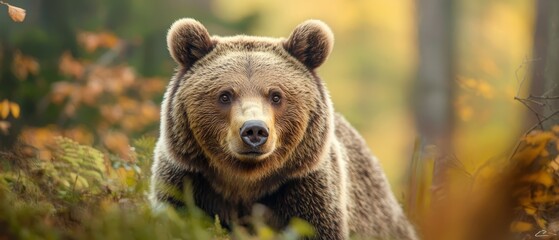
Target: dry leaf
x=117 y=142
x=23 y=65
x=70 y=66
x=538 y=137
x=91 y=41
x=17 y=14
x=541 y=177
x=540 y=221
x=521 y=226
x=4 y=109
x=530 y=210
x=14 y=109
x=554 y=164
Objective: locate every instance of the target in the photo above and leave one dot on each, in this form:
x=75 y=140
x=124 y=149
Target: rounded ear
x=188 y=40
x=311 y=42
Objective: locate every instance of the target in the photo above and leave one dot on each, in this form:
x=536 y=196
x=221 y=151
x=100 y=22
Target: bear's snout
x=254 y=133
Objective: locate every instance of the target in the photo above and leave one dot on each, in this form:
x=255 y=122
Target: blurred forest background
x=444 y=92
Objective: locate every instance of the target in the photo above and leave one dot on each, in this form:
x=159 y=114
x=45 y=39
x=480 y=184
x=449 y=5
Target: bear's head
x=248 y=109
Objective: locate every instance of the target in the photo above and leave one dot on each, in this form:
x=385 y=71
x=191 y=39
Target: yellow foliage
x=7 y=107
x=542 y=223
x=530 y=210
x=4 y=109
x=14 y=109
x=464 y=108
x=541 y=177
x=480 y=87
x=539 y=138
x=520 y=226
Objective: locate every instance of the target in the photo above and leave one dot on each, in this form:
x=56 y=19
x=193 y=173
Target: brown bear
x=246 y=120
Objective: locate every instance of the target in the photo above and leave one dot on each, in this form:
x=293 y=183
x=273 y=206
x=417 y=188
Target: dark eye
x=276 y=98
x=225 y=98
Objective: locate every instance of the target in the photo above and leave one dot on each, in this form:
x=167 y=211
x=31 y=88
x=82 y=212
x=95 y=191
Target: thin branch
x=526 y=61
x=544 y=97
x=541 y=104
x=550 y=90
x=538 y=116
x=542 y=121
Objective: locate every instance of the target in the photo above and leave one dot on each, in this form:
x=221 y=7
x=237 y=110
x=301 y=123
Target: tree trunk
x=433 y=91
x=545 y=68
x=432 y=103
x=551 y=72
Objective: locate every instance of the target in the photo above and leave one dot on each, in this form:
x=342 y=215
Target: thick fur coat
x=302 y=160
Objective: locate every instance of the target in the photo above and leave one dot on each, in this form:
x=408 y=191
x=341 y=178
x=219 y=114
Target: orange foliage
x=518 y=196
x=42 y=139
x=91 y=41
x=70 y=66
x=23 y=65
x=7 y=107
x=117 y=142
x=123 y=100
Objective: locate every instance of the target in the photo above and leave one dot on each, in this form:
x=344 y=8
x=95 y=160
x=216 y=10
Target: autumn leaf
x=70 y=66
x=554 y=164
x=61 y=90
x=530 y=210
x=91 y=41
x=537 y=138
x=540 y=177
x=4 y=109
x=464 y=108
x=521 y=226
x=117 y=142
x=23 y=65
x=480 y=87
x=14 y=109
x=17 y=14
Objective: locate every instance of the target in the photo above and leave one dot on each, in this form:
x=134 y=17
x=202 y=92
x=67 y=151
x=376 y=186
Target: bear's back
x=371 y=211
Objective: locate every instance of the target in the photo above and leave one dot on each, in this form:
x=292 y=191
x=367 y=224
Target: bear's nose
x=254 y=133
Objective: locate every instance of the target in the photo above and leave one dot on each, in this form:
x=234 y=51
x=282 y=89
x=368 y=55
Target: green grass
x=84 y=193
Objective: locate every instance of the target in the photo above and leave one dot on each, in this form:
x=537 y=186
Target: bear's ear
x=311 y=42
x=188 y=40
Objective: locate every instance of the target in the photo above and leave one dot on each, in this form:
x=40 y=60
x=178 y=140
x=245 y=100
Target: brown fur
x=313 y=166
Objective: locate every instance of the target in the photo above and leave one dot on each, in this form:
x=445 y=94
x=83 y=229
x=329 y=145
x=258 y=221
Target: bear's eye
x=225 y=98
x=276 y=98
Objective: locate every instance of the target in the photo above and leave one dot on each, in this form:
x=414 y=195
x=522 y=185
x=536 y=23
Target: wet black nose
x=254 y=133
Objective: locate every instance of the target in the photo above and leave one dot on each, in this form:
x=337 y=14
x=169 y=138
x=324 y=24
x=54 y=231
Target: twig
x=521 y=100
x=544 y=97
x=542 y=121
x=550 y=90
x=526 y=61
x=531 y=99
